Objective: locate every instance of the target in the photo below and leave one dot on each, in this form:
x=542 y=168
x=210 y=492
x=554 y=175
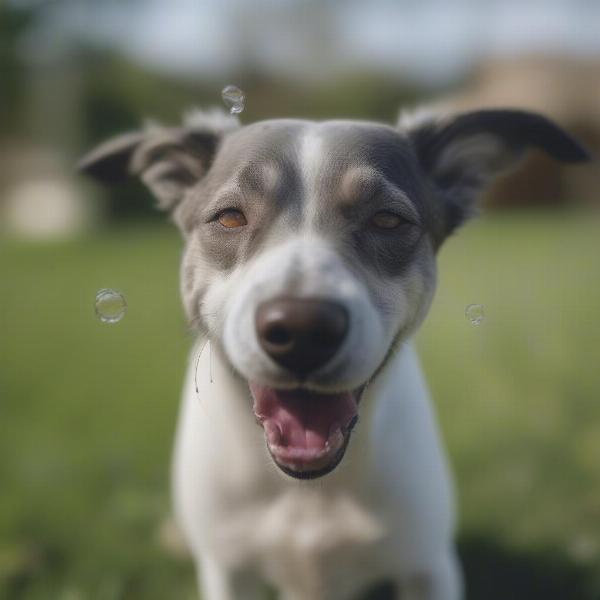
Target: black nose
x=301 y=334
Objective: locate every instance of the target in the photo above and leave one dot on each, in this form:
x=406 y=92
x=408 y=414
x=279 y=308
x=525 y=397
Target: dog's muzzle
x=306 y=432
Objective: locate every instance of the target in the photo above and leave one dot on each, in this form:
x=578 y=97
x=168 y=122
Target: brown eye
x=232 y=218
x=386 y=220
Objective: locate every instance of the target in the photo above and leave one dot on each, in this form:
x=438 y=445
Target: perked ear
x=460 y=155
x=168 y=160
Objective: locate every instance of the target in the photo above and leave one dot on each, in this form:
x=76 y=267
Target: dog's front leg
x=442 y=582
x=218 y=583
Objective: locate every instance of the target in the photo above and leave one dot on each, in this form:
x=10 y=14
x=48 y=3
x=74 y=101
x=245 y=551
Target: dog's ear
x=168 y=160
x=460 y=155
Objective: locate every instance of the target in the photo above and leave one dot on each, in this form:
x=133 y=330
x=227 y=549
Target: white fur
x=311 y=160
x=387 y=509
x=305 y=266
x=414 y=118
x=214 y=119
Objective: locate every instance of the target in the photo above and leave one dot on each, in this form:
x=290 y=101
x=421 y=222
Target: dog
x=307 y=454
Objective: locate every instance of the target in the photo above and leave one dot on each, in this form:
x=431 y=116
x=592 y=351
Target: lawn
x=87 y=410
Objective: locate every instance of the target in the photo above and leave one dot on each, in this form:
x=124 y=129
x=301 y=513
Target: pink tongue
x=301 y=419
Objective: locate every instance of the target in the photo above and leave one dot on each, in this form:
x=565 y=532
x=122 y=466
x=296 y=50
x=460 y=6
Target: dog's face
x=310 y=247
x=309 y=255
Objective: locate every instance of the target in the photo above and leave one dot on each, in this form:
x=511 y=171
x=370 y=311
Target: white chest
x=305 y=536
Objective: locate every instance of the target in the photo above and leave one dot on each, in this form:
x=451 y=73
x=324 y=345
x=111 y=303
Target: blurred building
x=76 y=72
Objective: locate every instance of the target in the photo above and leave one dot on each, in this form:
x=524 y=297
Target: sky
x=429 y=40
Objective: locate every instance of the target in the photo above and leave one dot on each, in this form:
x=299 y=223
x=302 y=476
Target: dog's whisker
x=197 y=323
x=197 y=364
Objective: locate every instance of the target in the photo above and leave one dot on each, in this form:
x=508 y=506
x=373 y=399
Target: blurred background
x=87 y=409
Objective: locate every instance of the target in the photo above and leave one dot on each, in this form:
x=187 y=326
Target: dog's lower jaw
x=315 y=471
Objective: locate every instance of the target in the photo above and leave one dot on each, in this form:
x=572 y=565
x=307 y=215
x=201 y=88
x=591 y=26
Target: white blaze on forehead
x=311 y=162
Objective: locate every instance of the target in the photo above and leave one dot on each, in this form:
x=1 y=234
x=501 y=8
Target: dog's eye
x=386 y=220
x=232 y=218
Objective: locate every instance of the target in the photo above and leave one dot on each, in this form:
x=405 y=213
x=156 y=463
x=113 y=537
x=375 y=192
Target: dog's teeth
x=336 y=437
x=273 y=433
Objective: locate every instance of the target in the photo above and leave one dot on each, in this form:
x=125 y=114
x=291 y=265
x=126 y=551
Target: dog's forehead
x=324 y=152
x=271 y=142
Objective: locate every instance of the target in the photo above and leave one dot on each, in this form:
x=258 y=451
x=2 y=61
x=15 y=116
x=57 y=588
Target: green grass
x=87 y=410
x=518 y=395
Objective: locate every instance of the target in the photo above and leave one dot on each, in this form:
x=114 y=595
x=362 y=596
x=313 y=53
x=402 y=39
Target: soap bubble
x=475 y=313
x=110 y=306
x=233 y=98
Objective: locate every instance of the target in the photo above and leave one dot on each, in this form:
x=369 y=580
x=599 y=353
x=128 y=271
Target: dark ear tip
x=527 y=129
x=109 y=163
x=560 y=144
x=571 y=150
x=583 y=155
x=101 y=171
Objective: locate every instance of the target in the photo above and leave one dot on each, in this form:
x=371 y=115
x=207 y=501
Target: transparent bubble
x=110 y=306
x=475 y=313
x=233 y=98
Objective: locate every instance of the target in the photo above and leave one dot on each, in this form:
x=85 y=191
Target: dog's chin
x=306 y=432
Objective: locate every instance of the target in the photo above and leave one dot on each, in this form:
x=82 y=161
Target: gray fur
x=430 y=173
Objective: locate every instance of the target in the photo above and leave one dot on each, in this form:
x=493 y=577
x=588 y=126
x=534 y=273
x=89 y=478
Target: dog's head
x=310 y=247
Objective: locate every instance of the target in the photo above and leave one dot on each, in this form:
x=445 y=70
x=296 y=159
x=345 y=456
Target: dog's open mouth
x=306 y=432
